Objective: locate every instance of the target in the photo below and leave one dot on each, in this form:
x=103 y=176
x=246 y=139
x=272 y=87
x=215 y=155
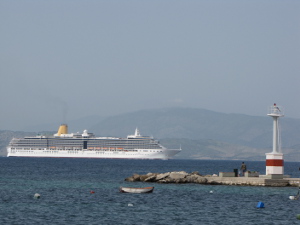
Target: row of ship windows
x=72 y=147
x=91 y=142
x=89 y=147
x=76 y=150
x=30 y=151
x=80 y=143
x=79 y=149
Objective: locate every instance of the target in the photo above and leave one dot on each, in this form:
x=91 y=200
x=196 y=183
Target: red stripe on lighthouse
x=274 y=162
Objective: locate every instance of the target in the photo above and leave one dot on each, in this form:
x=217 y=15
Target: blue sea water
x=65 y=187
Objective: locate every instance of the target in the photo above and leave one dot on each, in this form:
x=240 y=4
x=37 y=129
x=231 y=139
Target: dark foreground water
x=65 y=185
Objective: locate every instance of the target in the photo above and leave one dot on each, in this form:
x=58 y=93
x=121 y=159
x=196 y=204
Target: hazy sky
x=67 y=59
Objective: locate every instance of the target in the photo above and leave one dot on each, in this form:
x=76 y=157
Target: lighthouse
x=274 y=160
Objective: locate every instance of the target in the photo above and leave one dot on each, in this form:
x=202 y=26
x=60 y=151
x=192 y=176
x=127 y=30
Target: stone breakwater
x=196 y=177
x=170 y=177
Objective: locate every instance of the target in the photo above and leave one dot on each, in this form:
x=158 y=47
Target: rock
x=201 y=180
x=170 y=180
x=192 y=178
x=170 y=177
x=136 y=177
x=144 y=177
x=129 y=179
x=150 y=179
x=196 y=173
x=178 y=175
x=180 y=181
x=167 y=180
x=133 y=178
x=214 y=183
x=162 y=176
x=162 y=181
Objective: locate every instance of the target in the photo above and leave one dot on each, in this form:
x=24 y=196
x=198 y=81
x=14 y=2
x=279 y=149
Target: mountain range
x=201 y=133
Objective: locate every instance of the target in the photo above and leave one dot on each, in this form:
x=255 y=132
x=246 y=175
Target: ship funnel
x=63 y=129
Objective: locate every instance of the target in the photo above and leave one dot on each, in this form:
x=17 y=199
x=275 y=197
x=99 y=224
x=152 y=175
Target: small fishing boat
x=136 y=190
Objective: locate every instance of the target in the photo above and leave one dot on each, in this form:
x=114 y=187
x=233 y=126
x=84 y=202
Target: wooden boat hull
x=136 y=190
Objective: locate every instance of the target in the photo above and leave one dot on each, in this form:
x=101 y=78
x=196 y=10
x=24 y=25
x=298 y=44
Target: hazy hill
x=199 y=124
x=202 y=134
x=74 y=125
x=212 y=149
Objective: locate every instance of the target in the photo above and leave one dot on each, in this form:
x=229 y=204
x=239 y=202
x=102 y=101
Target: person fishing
x=243 y=168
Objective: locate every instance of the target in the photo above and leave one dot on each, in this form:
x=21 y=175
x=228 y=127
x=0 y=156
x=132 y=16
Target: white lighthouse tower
x=274 y=160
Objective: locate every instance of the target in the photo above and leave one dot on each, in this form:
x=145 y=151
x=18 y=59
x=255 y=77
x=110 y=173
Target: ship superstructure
x=86 y=145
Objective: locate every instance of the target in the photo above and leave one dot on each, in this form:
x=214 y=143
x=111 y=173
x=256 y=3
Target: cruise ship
x=86 y=145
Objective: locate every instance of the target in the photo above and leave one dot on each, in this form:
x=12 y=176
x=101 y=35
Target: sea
x=86 y=191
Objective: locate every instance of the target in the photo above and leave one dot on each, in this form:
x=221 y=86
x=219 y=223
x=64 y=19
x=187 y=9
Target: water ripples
x=65 y=186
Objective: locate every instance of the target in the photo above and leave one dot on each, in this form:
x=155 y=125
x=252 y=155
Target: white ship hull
x=140 y=154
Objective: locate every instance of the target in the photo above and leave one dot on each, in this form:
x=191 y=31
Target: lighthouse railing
x=275 y=110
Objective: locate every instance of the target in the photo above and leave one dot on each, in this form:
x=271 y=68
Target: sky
x=62 y=60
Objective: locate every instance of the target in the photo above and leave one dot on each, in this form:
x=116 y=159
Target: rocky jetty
x=197 y=178
x=171 y=177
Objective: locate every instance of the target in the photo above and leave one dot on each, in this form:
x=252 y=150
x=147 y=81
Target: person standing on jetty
x=243 y=168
